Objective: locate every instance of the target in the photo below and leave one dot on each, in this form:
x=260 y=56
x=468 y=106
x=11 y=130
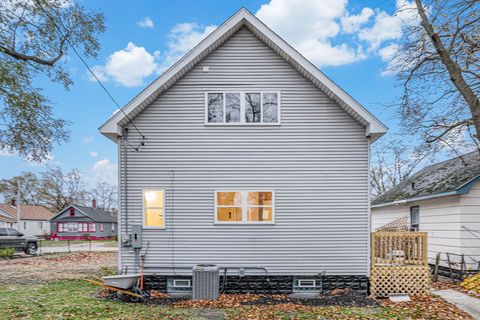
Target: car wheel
x=31 y=248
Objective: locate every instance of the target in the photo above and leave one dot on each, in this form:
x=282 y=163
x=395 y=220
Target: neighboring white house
x=34 y=220
x=252 y=158
x=444 y=200
x=6 y=220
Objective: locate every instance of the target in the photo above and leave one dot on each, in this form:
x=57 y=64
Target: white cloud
x=182 y=38
x=311 y=26
x=128 y=67
x=33 y=163
x=93 y=154
x=325 y=32
x=387 y=53
x=389 y=27
x=104 y=170
x=146 y=22
x=352 y=23
x=6 y=153
x=88 y=140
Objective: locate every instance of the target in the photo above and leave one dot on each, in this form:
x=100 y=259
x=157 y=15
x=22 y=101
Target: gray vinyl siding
x=316 y=161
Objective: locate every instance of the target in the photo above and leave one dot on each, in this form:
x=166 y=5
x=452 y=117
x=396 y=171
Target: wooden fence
x=399 y=249
x=399 y=263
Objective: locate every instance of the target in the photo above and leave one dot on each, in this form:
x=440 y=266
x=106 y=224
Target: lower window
x=153 y=209
x=244 y=206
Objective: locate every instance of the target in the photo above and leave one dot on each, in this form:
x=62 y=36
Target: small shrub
x=6 y=253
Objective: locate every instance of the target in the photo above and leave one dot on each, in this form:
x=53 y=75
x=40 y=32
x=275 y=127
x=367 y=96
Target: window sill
x=153 y=228
x=254 y=124
x=244 y=223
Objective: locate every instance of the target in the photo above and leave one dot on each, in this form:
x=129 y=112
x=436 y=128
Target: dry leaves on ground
x=429 y=307
x=448 y=284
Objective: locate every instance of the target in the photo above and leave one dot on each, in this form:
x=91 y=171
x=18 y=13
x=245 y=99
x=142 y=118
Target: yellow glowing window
x=153 y=204
x=259 y=206
x=229 y=206
x=244 y=206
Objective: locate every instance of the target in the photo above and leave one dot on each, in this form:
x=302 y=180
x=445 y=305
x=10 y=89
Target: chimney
x=94 y=203
x=14 y=203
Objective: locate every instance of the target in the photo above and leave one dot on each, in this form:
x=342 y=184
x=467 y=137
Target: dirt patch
x=34 y=270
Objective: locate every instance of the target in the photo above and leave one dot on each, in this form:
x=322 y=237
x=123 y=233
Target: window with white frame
x=243 y=107
x=153 y=208
x=244 y=207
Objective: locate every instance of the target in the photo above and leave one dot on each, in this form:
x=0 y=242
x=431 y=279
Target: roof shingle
x=446 y=176
x=27 y=212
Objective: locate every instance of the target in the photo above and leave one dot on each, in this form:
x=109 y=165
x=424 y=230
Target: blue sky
x=349 y=41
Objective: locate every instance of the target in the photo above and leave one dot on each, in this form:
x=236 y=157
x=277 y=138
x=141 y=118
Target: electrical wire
x=90 y=70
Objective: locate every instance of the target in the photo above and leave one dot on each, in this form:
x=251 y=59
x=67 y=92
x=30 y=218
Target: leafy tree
x=32 y=46
x=55 y=189
x=438 y=68
x=29 y=188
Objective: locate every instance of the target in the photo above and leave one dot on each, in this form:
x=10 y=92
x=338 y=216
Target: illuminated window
x=259 y=206
x=244 y=207
x=153 y=206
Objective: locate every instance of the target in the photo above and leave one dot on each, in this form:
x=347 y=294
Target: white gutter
x=415 y=199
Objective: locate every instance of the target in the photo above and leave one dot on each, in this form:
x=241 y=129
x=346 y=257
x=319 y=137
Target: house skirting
x=57 y=237
x=268 y=285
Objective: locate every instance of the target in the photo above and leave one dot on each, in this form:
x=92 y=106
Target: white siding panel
x=316 y=161
x=470 y=208
x=442 y=218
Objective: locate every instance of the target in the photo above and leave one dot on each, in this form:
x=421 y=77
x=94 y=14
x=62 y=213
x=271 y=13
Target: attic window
x=242 y=108
x=72 y=212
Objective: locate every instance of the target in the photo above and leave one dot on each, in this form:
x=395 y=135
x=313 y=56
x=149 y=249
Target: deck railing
x=399 y=249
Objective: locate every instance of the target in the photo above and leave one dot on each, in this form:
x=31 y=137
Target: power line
x=88 y=68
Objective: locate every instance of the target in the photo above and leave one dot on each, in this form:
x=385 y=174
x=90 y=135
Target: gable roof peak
x=112 y=128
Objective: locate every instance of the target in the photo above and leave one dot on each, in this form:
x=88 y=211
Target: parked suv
x=11 y=238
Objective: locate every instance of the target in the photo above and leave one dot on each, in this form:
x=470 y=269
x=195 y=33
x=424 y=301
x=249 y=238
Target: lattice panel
x=413 y=280
x=400 y=224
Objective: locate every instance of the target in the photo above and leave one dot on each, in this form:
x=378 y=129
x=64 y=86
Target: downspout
x=119 y=211
x=369 y=227
x=126 y=242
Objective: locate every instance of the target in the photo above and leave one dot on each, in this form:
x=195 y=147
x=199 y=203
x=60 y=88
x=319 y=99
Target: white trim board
x=112 y=128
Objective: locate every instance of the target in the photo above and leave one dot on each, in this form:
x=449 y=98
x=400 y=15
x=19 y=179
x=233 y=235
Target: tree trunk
x=453 y=69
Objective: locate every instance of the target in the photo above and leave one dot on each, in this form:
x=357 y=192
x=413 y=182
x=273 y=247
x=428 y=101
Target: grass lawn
x=72 y=299
x=49 y=287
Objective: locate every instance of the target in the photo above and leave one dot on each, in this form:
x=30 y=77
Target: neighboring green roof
x=447 y=176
